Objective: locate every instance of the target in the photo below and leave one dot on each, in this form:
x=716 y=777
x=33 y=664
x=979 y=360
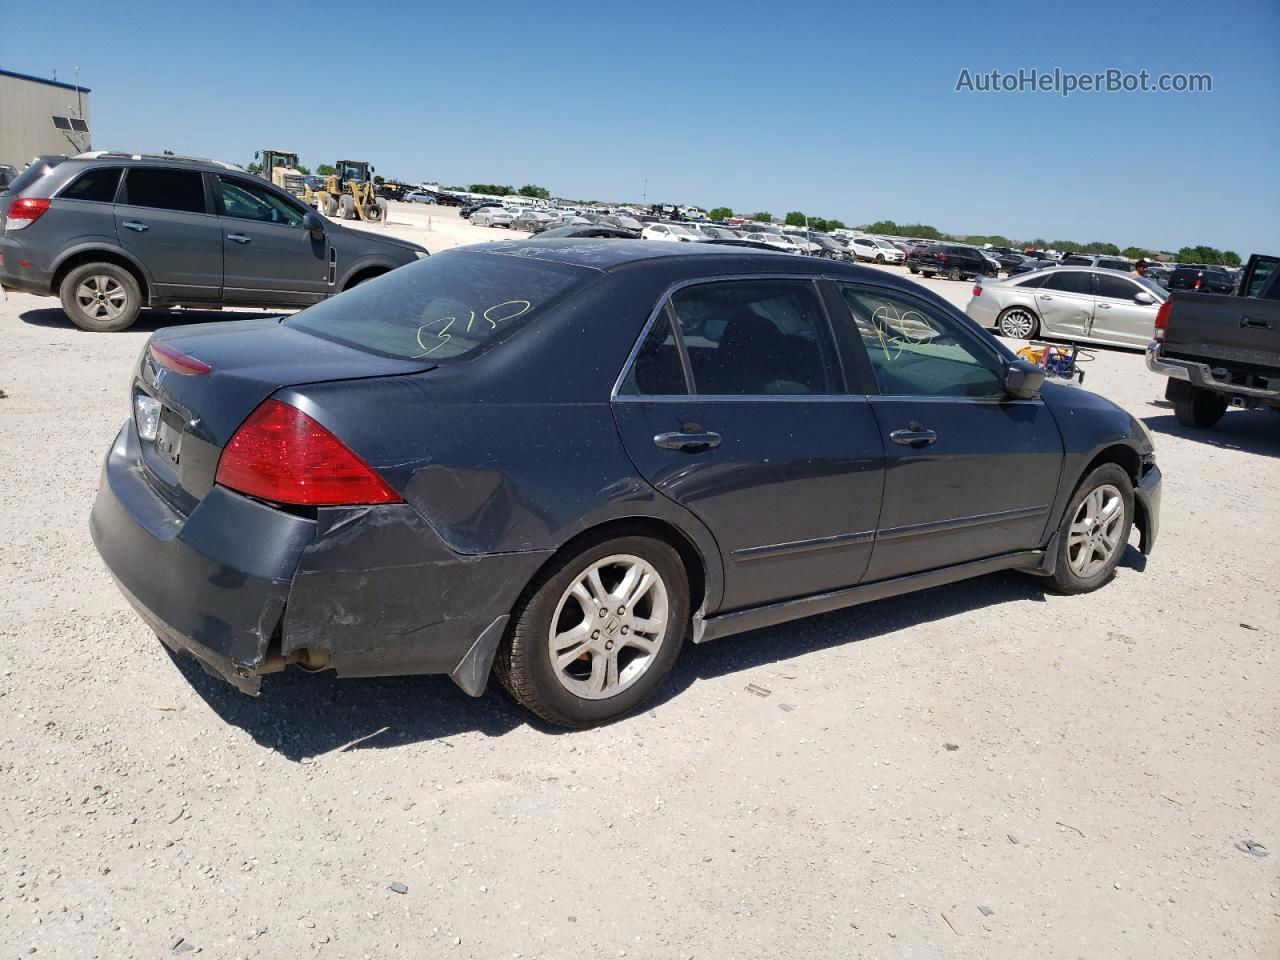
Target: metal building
x=39 y=116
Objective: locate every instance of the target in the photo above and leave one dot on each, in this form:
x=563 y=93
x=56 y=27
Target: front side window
x=247 y=201
x=918 y=350
x=756 y=338
x=1114 y=288
x=181 y=190
x=97 y=185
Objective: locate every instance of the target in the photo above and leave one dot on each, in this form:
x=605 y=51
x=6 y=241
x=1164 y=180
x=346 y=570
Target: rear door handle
x=1043 y=297
x=238 y=237
x=914 y=436
x=136 y=225
x=1104 y=306
x=690 y=442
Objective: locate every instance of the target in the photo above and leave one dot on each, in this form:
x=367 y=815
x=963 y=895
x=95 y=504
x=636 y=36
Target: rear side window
x=96 y=185
x=181 y=190
x=756 y=338
x=444 y=308
x=1032 y=282
x=1068 y=281
x=656 y=370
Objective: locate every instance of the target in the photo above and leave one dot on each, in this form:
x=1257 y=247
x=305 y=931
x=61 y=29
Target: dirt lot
x=982 y=771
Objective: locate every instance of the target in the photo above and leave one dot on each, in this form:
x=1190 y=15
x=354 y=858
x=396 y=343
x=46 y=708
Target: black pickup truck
x=1220 y=350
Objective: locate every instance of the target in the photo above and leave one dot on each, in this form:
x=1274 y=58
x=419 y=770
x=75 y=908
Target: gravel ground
x=980 y=771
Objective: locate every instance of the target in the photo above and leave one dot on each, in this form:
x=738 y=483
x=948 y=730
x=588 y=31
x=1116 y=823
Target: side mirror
x=313 y=223
x=1143 y=297
x=1023 y=379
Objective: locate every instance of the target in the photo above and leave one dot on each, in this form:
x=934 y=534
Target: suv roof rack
x=165 y=157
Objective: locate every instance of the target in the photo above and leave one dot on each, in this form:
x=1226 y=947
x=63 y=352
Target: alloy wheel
x=1094 y=536
x=1017 y=324
x=101 y=297
x=608 y=627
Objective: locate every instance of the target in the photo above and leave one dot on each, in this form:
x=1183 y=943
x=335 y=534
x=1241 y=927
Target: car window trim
x=995 y=350
x=663 y=302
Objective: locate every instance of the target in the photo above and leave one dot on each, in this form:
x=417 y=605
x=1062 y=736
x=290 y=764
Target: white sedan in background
x=875 y=250
x=781 y=241
x=673 y=232
x=492 y=217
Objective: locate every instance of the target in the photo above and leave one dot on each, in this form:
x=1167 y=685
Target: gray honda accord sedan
x=561 y=460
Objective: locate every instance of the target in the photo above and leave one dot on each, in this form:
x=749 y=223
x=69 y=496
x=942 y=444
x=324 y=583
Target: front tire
x=1094 y=531
x=1195 y=407
x=594 y=639
x=101 y=297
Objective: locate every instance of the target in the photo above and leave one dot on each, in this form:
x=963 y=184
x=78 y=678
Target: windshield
x=1152 y=287
x=680 y=231
x=442 y=308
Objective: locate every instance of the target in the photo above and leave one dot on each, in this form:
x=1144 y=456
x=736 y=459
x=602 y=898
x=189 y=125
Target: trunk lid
x=249 y=360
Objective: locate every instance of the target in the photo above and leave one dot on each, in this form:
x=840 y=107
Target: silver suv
x=111 y=233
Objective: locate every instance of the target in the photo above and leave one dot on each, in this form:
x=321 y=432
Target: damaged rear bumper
x=239 y=585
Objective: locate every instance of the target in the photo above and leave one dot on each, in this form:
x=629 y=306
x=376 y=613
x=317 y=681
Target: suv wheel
x=1094 y=531
x=595 y=639
x=955 y=274
x=101 y=297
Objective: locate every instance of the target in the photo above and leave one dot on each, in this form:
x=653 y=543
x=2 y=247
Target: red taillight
x=24 y=212
x=1199 y=280
x=942 y=256
x=281 y=454
x=977 y=289
x=1162 y=318
x=177 y=361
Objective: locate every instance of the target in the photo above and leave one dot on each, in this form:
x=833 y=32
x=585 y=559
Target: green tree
x=303 y=169
x=377 y=178
x=326 y=170
x=532 y=190
x=1230 y=258
x=254 y=168
x=835 y=225
x=493 y=189
x=922 y=230
x=1135 y=253
x=795 y=219
x=819 y=224
x=762 y=217
x=720 y=213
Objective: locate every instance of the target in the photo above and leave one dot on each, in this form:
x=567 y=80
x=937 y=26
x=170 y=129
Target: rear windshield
x=445 y=307
x=30 y=175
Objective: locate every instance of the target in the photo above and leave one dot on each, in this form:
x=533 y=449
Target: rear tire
x=1018 y=323
x=1195 y=407
x=1091 y=538
x=551 y=615
x=955 y=274
x=101 y=297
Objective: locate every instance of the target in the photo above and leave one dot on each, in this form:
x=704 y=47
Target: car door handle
x=136 y=225
x=914 y=436
x=1104 y=306
x=1043 y=297
x=689 y=442
x=238 y=237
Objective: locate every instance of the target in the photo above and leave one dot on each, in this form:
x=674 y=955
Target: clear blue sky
x=842 y=110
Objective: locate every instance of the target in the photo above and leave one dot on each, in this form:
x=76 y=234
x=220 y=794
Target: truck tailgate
x=1220 y=327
